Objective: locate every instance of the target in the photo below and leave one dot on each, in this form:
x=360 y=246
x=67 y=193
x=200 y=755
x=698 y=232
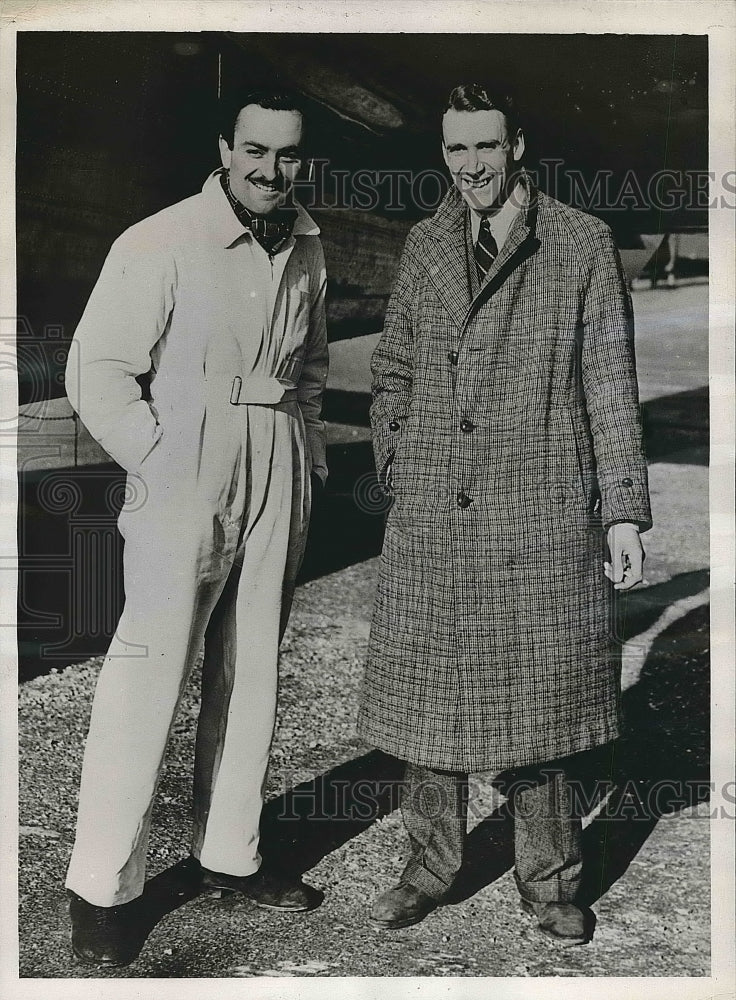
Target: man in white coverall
x=219 y=299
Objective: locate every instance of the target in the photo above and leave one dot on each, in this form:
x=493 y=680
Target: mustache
x=280 y=183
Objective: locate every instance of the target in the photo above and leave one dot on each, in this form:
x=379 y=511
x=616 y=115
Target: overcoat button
x=627 y=482
x=463 y=500
x=466 y=426
x=452 y=357
x=394 y=425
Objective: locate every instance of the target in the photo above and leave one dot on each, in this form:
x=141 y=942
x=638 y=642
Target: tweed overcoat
x=512 y=428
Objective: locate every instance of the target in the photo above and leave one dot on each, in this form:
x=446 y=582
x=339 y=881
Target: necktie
x=486 y=250
x=272 y=232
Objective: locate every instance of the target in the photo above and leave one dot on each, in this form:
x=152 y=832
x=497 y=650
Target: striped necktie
x=486 y=250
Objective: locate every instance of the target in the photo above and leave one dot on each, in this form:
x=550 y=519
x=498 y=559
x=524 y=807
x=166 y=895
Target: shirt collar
x=503 y=220
x=226 y=224
x=448 y=222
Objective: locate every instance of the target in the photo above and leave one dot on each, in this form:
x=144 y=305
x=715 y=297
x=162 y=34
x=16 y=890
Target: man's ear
x=519 y=145
x=444 y=154
x=225 y=153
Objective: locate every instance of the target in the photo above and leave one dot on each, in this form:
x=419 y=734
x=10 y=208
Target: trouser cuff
x=416 y=875
x=107 y=897
x=550 y=891
x=225 y=868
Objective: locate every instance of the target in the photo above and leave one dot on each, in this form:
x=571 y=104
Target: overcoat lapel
x=445 y=256
x=520 y=244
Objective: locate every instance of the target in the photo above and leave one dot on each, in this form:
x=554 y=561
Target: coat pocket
x=416 y=539
x=578 y=466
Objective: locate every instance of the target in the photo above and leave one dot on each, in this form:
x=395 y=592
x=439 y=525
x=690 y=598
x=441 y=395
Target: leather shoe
x=105 y=935
x=267 y=888
x=401 y=906
x=562 y=922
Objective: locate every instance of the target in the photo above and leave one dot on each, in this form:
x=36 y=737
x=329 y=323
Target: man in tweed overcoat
x=506 y=425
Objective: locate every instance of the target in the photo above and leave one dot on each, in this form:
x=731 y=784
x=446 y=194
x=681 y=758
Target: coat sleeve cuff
x=626 y=500
x=317 y=451
x=386 y=436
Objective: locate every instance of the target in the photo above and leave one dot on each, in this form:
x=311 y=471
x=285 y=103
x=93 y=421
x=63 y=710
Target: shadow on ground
x=298 y=828
x=658 y=767
x=676 y=427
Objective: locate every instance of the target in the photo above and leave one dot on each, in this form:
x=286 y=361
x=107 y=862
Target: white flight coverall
x=214 y=521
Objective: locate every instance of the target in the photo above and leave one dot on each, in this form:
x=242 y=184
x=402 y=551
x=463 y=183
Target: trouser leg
x=548 y=839
x=239 y=691
x=168 y=601
x=434 y=810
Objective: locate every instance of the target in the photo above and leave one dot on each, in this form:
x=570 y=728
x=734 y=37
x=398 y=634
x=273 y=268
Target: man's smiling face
x=480 y=155
x=265 y=158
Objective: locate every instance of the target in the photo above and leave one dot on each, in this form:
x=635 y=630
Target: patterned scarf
x=272 y=231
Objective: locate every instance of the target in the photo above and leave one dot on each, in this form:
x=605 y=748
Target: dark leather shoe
x=563 y=923
x=267 y=888
x=105 y=935
x=401 y=906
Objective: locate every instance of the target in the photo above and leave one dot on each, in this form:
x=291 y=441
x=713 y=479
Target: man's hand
x=627 y=556
x=318 y=487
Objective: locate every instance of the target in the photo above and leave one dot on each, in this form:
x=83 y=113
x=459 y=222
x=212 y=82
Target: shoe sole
x=99 y=963
x=287 y=909
x=396 y=925
x=563 y=942
x=223 y=892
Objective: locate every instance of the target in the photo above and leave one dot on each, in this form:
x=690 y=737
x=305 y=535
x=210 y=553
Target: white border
x=717 y=18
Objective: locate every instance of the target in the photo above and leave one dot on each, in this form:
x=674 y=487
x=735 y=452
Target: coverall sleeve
x=125 y=316
x=313 y=377
x=611 y=390
x=392 y=365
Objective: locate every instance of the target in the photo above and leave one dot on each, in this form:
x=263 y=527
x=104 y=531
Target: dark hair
x=273 y=100
x=478 y=97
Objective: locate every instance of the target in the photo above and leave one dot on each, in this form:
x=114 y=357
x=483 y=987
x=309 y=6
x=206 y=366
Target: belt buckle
x=235 y=391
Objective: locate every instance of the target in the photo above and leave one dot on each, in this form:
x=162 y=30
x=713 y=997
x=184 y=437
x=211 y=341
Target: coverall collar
x=226 y=226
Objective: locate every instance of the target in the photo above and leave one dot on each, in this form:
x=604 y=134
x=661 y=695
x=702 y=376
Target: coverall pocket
x=150 y=458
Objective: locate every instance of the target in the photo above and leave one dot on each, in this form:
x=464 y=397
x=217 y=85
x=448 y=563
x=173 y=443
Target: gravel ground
x=649 y=881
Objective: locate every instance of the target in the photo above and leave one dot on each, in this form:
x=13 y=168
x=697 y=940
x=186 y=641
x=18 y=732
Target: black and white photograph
x=368 y=470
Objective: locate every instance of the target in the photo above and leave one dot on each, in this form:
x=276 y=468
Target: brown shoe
x=269 y=889
x=401 y=906
x=563 y=923
x=105 y=935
